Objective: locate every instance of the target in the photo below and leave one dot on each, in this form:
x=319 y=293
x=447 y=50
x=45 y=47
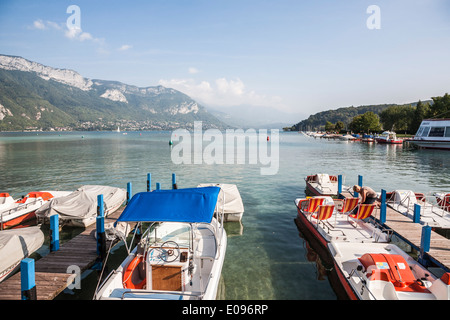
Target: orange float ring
x=128 y=275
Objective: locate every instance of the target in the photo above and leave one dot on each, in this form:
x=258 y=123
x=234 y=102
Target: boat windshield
x=158 y=233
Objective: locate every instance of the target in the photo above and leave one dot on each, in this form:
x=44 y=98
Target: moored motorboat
x=334 y=220
x=388 y=137
x=433 y=134
x=22 y=210
x=230 y=201
x=382 y=271
x=79 y=208
x=15 y=245
x=181 y=254
x=322 y=184
x=405 y=201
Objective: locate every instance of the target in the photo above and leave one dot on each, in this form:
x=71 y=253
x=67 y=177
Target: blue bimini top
x=195 y=205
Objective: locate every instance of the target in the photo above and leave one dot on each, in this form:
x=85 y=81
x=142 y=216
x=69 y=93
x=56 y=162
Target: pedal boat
x=332 y=220
x=13 y=213
x=180 y=255
x=380 y=271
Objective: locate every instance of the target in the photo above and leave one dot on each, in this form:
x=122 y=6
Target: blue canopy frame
x=194 y=205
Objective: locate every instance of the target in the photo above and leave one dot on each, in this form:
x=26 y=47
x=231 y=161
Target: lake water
x=266 y=258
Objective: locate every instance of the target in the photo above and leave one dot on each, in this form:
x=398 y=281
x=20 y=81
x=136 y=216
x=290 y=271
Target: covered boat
x=433 y=134
x=388 y=137
x=15 y=245
x=405 y=201
x=16 y=212
x=380 y=271
x=181 y=254
x=79 y=208
x=322 y=184
x=230 y=201
x=333 y=220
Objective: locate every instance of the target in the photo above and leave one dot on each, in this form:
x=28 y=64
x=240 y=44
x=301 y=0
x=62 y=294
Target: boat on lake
x=388 y=137
x=334 y=220
x=382 y=271
x=433 y=134
x=180 y=255
x=15 y=212
x=405 y=201
x=79 y=208
x=230 y=201
x=322 y=184
x=15 y=245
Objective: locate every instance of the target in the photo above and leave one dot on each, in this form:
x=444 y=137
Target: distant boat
x=433 y=134
x=118 y=129
x=388 y=137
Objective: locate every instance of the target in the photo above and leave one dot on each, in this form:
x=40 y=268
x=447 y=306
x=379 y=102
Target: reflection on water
x=266 y=258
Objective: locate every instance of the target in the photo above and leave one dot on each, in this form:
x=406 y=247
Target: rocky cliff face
x=65 y=76
x=27 y=88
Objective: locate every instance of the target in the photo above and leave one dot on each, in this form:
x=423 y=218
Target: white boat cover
x=6 y=201
x=233 y=200
x=17 y=244
x=82 y=203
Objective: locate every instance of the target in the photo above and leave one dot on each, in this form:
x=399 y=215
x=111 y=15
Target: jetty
x=53 y=272
x=432 y=246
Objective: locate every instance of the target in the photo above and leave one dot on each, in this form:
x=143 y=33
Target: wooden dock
x=411 y=233
x=51 y=275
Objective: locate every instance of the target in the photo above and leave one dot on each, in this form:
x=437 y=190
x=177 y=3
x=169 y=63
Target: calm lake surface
x=266 y=258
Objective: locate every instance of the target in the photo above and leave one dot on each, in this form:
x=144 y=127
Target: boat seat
x=313 y=205
x=364 y=212
x=348 y=205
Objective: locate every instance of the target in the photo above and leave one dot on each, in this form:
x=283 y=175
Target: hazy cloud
x=221 y=92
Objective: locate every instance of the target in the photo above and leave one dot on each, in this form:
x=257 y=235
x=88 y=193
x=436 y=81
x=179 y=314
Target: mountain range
x=38 y=97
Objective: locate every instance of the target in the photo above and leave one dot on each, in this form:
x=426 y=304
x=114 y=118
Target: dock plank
x=51 y=275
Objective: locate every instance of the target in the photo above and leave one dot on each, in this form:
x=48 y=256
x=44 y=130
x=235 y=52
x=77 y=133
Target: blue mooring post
x=416 y=217
x=383 y=207
x=425 y=244
x=100 y=225
x=27 y=279
x=100 y=206
x=101 y=239
x=158 y=186
x=54 y=234
x=149 y=182
x=129 y=193
x=339 y=185
x=174 y=181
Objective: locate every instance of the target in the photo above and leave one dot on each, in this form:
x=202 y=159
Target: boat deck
x=411 y=232
x=51 y=276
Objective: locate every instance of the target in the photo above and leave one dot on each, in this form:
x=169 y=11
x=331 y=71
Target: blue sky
x=296 y=56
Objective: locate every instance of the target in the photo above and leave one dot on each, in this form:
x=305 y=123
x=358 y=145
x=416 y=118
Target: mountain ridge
x=38 y=97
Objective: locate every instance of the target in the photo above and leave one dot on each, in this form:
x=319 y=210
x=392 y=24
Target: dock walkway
x=411 y=233
x=51 y=271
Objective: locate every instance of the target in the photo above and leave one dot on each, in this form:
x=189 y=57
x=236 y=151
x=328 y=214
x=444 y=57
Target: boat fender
x=133 y=267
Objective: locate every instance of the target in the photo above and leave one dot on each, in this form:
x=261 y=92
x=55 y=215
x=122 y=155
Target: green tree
x=421 y=112
x=440 y=107
x=367 y=122
x=397 y=118
x=329 y=126
x=339 y=126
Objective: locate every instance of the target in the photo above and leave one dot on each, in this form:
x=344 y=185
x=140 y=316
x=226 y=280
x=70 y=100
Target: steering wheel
x=174 y=253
